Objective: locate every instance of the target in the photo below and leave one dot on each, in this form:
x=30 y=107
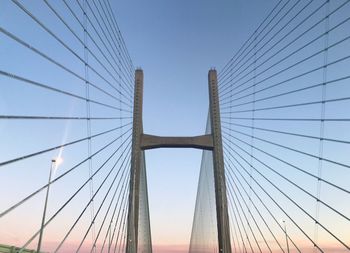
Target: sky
x=175 y=43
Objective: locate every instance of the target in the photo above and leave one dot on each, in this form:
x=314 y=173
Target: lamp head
x=57 y=161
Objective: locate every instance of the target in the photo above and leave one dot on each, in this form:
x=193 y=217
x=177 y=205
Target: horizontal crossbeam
x=200 y=142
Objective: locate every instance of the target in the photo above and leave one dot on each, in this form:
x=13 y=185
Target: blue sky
x=175 y=43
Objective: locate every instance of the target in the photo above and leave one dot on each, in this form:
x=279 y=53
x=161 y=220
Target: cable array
x=67 y=87
x=283 y=100
x=67 y=82
x=204 y=235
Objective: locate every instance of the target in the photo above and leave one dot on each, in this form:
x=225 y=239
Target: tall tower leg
x=219 y=172
x=134 y=194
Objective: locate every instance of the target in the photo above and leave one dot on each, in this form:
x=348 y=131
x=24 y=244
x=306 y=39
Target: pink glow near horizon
x=170 y=248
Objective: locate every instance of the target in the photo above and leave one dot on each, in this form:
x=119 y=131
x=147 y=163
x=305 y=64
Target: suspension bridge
x=275 y=168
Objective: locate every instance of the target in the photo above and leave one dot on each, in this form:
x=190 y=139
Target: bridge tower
x=142 y=141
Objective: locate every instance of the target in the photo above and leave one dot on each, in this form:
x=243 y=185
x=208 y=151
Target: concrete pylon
x=213 y=142
x=223 y=224
x=134 y=192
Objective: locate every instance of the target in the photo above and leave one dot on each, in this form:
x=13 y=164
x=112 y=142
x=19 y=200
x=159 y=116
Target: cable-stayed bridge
x=275 y=167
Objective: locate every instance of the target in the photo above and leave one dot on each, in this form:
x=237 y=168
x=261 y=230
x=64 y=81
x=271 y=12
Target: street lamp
x=285 y=232
x=54 y=164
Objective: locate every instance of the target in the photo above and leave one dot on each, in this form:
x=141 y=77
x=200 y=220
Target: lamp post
x=285 y=232
x=52 y=166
